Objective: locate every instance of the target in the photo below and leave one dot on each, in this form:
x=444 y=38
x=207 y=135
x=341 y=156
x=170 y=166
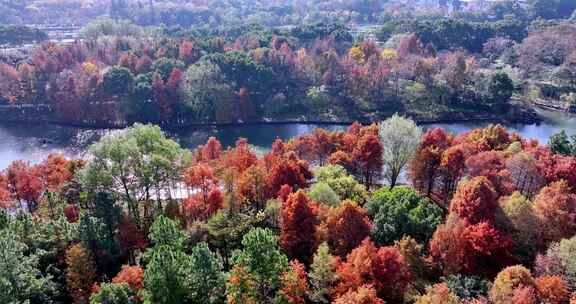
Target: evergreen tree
x=166 y=274
x=262 y=258
x=111 y=293
x=322 y=275
x=206 y=280
x=560 y=144
x=20 y=278
x=169 y=267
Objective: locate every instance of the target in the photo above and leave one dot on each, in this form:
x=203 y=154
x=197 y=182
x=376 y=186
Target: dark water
x=33 y=143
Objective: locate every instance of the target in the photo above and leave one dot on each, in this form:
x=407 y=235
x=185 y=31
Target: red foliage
x=410 y=45
x=566 y=169
x=278 y=150
x=449 y=247
x=556 y=167
x=80 y=273
x=5 y=199
x=278 y=147
x=451 y=169
x=524 y=295
x=215 y=201
x=425 y=166
x=128 y=60
x=288 y=170
x=174 y=80
x=161 y=97
x=299 y=225
x=424 y=169
x=493 y=137
x=459 y=247
x=95 y=288
x=302 y=146
x=24 y=183
x=187 y=52
x=239 y=158
x=130 y=237
x=348 y=225
x=212 y=150
x=365 y=294
x=384 y=268
x=555 y=206
x=343 y=159
x=193 y=208
x=72 y=213
x=201 y=206
x=143 y=65
x=490 y=164
x=552 y=289
x=200 y=177
x=436 y=137
x=368 y=155
x=487 y=241
x=131 y=275
x=251 y=186
x=55 y=171
x=324 y=144
x=284 y=192
x=354 y=129
x=206 y=198
x=295 y=283
x=475 y=200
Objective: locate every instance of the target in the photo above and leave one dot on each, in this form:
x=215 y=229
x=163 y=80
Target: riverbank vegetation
x=252 y=74
x=483 y=217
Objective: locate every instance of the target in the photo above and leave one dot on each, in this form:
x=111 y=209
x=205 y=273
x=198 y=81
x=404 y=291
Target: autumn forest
x=481 y=217
x=384 y=208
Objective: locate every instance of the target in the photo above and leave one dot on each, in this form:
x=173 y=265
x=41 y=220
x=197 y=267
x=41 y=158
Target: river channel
x=34 y=142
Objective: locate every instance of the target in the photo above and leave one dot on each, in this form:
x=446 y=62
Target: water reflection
x=34 y=143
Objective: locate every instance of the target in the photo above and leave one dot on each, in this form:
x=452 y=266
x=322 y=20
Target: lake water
x=34 y=143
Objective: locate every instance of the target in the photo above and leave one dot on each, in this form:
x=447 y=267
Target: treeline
x=531 y=52
x=250 y=73
x=454 y=33
x=487 y=217
x=429 y=68
x=214 y=13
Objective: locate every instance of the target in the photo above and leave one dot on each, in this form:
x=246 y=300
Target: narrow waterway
x=33 y=143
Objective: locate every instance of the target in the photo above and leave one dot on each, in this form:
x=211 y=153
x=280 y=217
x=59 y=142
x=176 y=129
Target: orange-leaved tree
x=384 y=268
x=80 y=273
x=348 y=225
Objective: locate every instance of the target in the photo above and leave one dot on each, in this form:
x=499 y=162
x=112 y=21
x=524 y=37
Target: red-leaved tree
x=555 y=206
x=299 y=225
x=348 y=225
x=475 y=200
x=384 y=268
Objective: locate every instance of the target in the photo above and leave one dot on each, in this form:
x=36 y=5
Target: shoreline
x=104 y=126
x=42 y=114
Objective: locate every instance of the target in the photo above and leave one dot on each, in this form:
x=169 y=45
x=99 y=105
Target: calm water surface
x=33 y=143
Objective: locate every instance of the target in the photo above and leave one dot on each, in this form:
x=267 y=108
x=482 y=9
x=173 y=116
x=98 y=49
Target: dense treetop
x=276 y=13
